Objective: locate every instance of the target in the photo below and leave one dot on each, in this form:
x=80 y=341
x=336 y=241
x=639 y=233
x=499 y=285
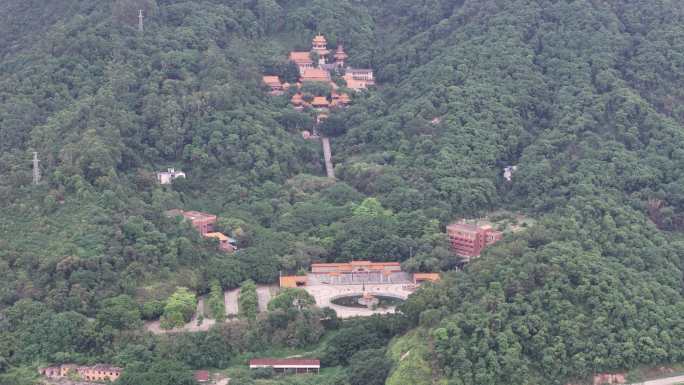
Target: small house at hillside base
x=287 y=365
x=99 y=372
x=202 y=376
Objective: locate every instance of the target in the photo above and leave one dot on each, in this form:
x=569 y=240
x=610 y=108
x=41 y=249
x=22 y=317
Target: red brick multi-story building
x=468 y=240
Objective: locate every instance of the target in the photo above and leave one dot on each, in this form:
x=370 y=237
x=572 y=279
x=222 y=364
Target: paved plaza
x=324 y=294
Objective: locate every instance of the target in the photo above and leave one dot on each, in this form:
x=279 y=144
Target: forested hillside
x=585 y=97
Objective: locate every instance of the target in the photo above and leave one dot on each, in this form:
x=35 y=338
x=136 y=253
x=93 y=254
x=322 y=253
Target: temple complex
x=364 y=283
x=356 y=273
x=321 y=65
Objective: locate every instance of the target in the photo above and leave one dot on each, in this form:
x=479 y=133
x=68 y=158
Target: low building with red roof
x=226 y=243
x=273 y=82
x=357 y=83
x=287 y=365
x=301 y=59
x=203 y=222
x=202 y=376
x=320 y=102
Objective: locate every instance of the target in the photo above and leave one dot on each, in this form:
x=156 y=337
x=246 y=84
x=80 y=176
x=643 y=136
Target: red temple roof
x=271 y=80
x=320 y=101
x=315 y=75
x=301 y=58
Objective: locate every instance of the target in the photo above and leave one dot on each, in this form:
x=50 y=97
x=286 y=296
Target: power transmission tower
x=36 y=169
x=140 y=20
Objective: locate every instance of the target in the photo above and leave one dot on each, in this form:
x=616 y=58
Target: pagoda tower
x=340 y=56
x=320 y=46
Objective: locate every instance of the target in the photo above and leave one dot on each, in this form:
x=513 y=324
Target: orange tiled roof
x=297 y=99
x=219 y=236
x=301 y=57
x=349 y=266
x=426 y=277
x=271 y=80
x=320 y=101
x=315 y=75
x=319 y=39
x=197 y=215
x=356 y=84
x=292 y=280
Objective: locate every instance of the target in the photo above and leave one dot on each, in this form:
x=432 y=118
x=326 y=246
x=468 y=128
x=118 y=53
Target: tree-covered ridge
x=583 y=96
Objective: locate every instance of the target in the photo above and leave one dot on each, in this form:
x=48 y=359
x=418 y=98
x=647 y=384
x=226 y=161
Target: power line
x=140 y=20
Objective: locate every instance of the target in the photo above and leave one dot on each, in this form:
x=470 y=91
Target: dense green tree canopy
x=584 y=97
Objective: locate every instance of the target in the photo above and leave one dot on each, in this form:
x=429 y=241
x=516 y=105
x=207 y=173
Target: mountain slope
x=583 y=96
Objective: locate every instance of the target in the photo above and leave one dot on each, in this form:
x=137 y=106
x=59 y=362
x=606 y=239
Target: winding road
x=663 y=381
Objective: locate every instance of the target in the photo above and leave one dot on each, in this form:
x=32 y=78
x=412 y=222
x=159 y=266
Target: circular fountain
x=368 y=300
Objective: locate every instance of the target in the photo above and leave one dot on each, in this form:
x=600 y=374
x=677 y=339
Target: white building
x=166 y=177
x=508 y=172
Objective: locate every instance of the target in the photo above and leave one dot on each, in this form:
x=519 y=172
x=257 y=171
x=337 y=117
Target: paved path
x=192 y=326
x=230 y=299
x=664 y=381
x=265 y=293
x=327 y=155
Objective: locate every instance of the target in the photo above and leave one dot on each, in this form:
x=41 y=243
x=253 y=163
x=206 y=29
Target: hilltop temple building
x=328 y=63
